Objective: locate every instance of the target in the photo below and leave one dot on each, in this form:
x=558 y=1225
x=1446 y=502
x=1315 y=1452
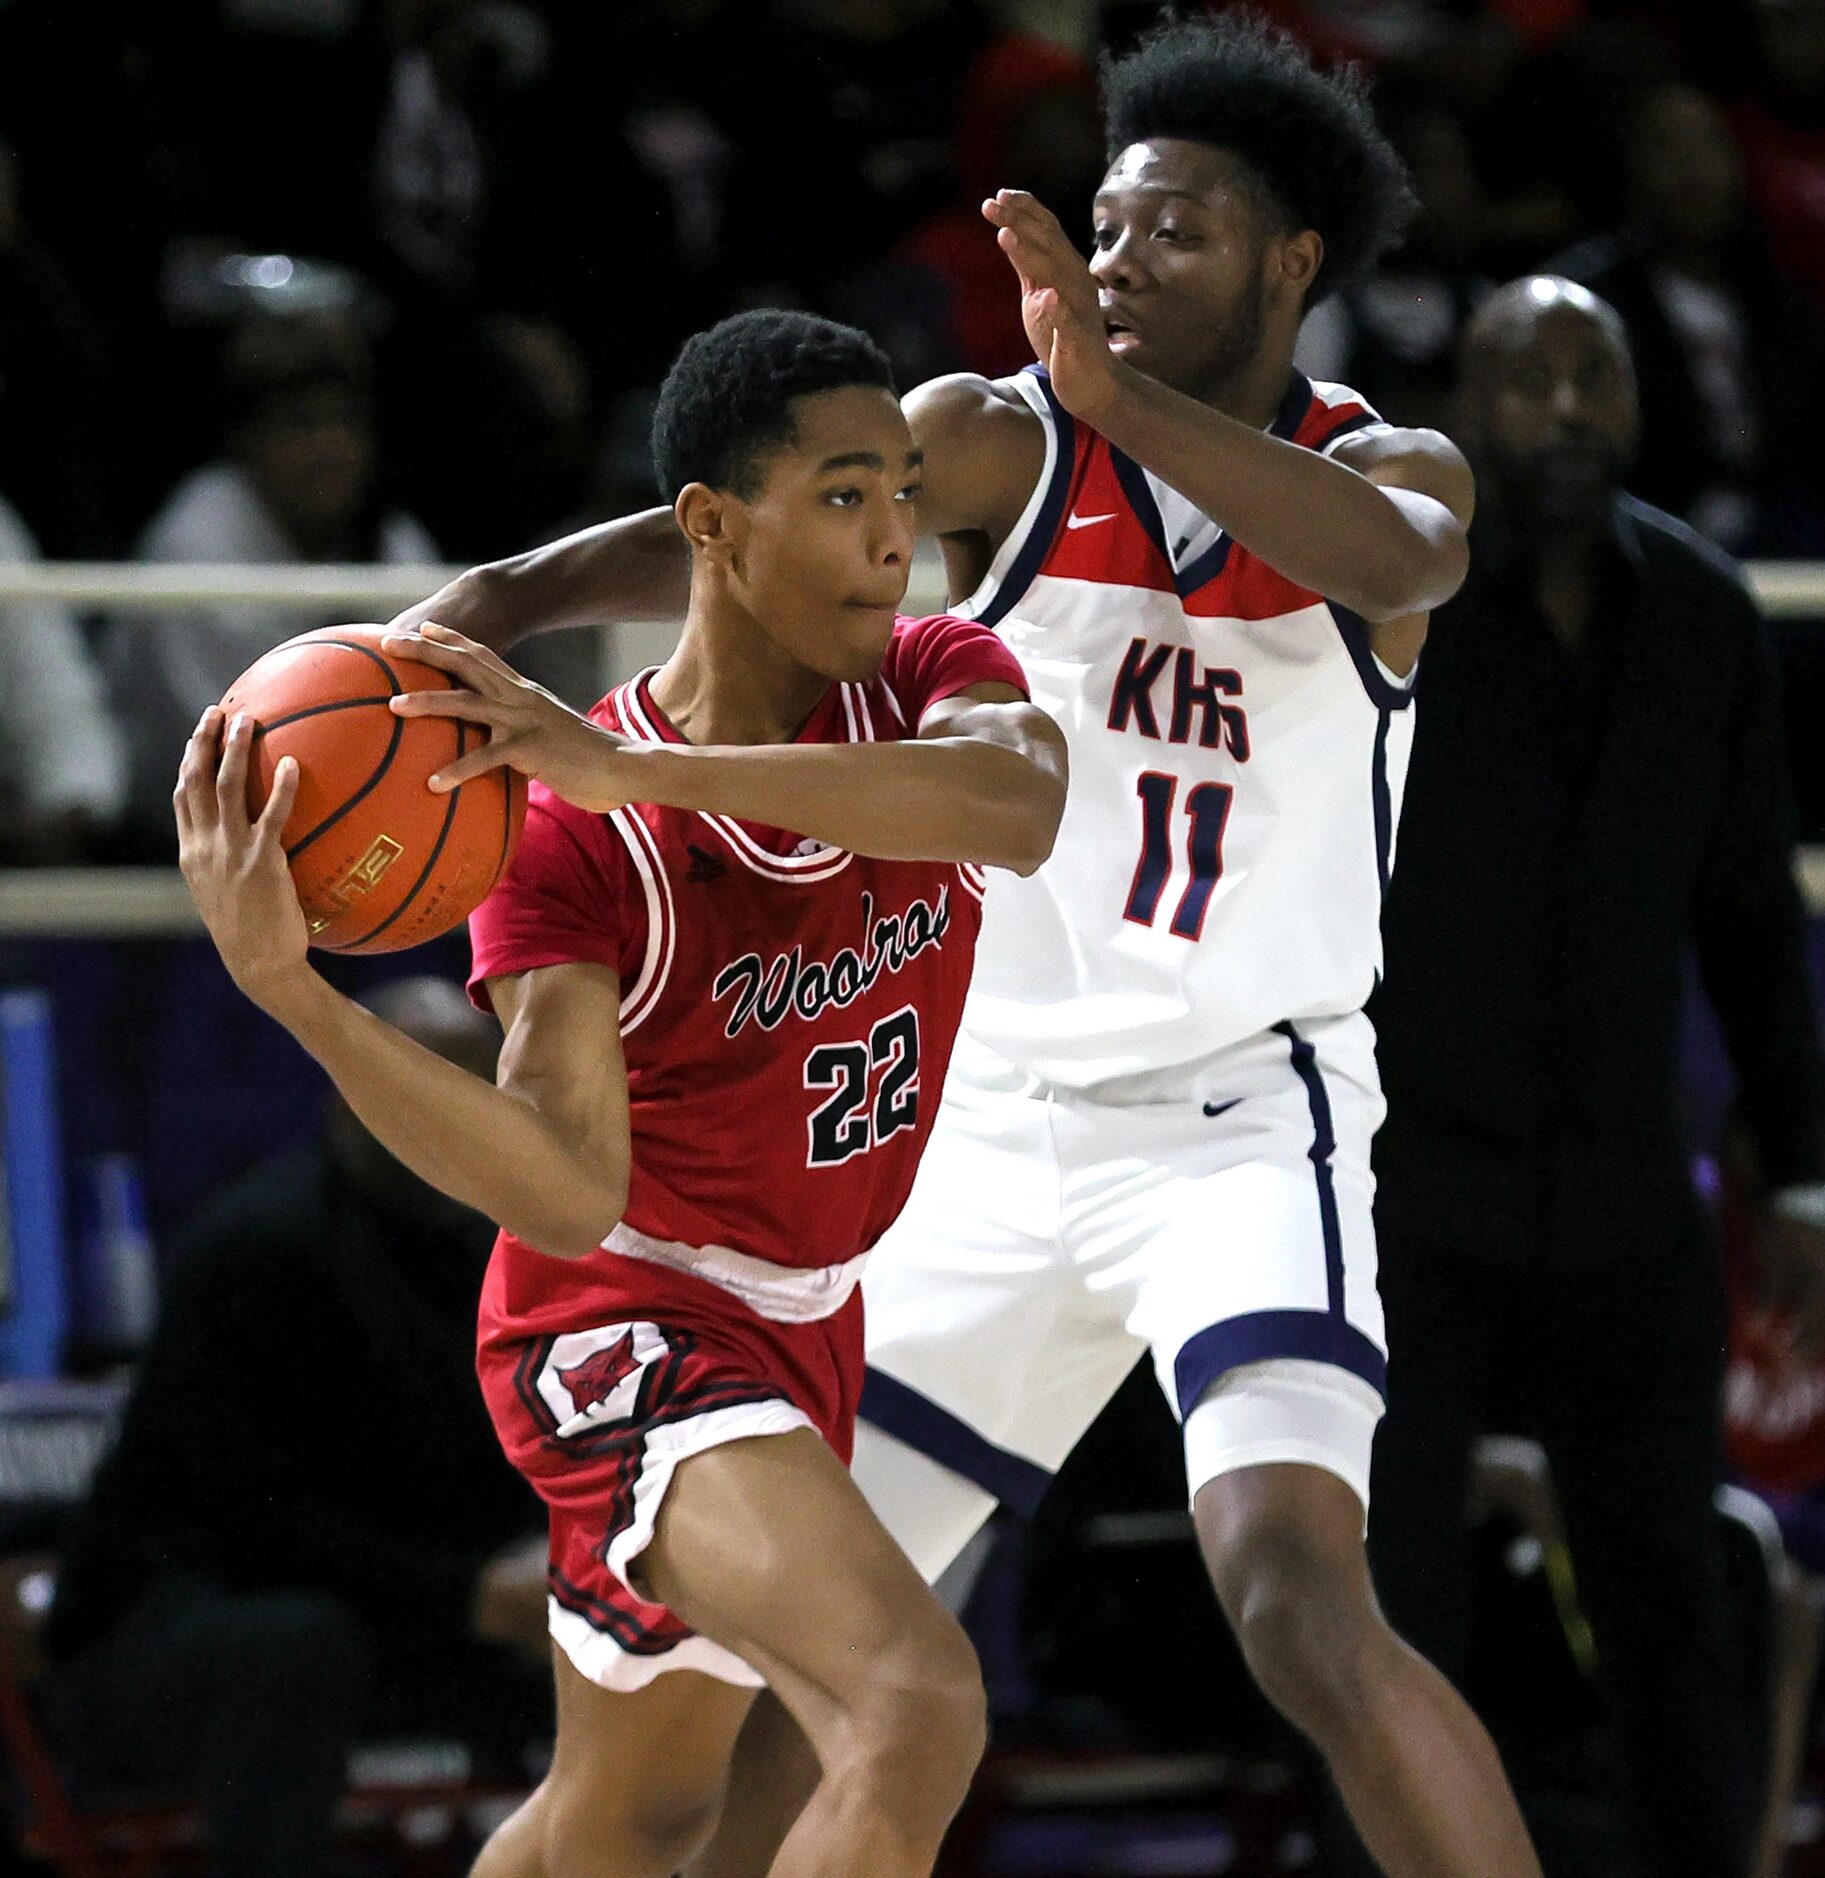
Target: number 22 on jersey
x=874 y=1085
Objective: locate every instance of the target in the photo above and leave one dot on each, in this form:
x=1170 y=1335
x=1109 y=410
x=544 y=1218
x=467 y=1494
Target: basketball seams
x=361 y=794
x=303 y=689
x=431 y=860
x=321 y=710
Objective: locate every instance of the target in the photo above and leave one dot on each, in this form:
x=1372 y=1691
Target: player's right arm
x=544 y=1152
x=984 y=450
x=636 y=567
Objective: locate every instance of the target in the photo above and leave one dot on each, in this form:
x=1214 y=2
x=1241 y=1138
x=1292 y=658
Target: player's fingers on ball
x=277 y=811
x=418 y=644
x=471 y=706
x=196 y=774
x=491 y=755
x=231 y=775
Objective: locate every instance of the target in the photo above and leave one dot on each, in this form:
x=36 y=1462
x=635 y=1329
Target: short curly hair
x=727 y=401
x=1308 y=139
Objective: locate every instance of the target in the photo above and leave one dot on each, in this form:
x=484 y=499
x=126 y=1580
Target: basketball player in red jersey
x=729 y=956
x=1179 y=534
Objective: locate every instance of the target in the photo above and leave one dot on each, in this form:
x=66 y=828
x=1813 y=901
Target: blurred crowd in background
x=395 y=280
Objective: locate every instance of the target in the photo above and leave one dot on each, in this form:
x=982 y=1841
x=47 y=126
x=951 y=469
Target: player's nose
x=1116 y=265
x=894 y=534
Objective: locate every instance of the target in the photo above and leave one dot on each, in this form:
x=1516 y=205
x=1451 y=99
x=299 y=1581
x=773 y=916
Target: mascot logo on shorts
x=593 y=1380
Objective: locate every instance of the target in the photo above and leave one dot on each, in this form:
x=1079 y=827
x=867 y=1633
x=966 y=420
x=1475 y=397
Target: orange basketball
x=379 y=861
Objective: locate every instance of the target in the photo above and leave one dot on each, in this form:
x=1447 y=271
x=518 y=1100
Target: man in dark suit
x=1597 y=794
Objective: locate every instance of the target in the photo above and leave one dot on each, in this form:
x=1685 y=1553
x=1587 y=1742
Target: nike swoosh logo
x=1087 y=521
x=1214 y=1109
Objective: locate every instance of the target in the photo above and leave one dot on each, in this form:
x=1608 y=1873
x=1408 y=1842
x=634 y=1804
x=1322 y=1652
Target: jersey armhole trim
x=661 y=921
x=1021 y=556
x=1385 y=692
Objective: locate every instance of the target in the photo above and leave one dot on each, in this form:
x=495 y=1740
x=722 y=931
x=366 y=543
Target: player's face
x=1550 y=410
x=1181 y=264
x=826 y=545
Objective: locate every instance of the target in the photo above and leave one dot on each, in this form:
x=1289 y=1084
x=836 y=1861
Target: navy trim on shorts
x=1325 y=1336
x=1324 y=1145
x=901 y=1411
x=1024 y=568
x=1263 y=1336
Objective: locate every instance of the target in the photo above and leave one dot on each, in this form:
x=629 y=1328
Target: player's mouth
x=1120 y=330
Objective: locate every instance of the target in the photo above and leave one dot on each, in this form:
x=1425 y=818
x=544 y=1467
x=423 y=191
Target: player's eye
x=1166 y=232
x=1104 y=236
x=912 y=492
x=843 y=498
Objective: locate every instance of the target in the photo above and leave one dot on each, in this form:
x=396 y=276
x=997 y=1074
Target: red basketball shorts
x=659 y=1366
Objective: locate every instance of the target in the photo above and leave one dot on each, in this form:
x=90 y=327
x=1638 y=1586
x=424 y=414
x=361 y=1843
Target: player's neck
x=1253 y=392
x=728 y=683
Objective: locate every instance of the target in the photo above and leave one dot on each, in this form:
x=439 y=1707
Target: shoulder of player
x=984 y=449
x=1404 y=457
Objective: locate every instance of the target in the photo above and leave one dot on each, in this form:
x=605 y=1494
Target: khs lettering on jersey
x=1219 y=725
x=1237 y=757
x=791 y=985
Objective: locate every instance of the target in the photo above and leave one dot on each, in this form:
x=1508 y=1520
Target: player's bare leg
x=772 y=1778
x=636 y=1780
x=1418 y=1773
x=821 y=1602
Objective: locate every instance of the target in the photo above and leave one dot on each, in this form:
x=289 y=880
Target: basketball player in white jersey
x=1156 y=1131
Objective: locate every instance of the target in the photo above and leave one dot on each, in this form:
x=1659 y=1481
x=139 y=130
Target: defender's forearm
x=471 y=1140
x=1371 y=549
x=634 y=568
x=928 y=799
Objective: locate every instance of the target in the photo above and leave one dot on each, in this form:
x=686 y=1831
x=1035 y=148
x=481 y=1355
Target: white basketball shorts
x=1219 y=1218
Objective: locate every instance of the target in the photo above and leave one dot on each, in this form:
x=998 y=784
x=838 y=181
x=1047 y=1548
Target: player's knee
x=593 y=1834
x=1308 y=1628
x=918 y=1729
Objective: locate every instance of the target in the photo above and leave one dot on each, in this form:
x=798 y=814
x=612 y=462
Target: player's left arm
x=1380 y=525
x=983 y=781
x=544 y=1154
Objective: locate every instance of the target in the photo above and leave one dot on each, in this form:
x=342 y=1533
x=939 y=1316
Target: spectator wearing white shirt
x=63 y=769
x=296 y=482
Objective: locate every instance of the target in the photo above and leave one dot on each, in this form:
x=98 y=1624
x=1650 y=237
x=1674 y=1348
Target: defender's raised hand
x=528 y=729
x=1058 y=302
x=235 y=865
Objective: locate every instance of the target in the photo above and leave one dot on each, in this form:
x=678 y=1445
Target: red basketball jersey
x=787 y=1008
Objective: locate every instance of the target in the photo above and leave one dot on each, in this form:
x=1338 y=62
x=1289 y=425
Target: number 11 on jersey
x=1207 y=815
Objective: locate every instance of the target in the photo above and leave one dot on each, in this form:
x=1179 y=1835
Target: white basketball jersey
x=1237 y=759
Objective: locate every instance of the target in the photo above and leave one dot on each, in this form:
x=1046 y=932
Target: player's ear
x=1297 y=259
x=704 y=515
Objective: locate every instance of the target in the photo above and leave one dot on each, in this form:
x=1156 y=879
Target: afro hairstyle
x=727 y=401
x=1307 y=139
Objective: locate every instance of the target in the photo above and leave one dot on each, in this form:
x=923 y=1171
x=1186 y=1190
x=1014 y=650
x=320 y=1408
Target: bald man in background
x=1598 y=793
x=306 y=1535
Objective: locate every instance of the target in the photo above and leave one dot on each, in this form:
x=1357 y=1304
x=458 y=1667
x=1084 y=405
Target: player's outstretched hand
x=234 y=864
x=1058 y=303
x=528 y=729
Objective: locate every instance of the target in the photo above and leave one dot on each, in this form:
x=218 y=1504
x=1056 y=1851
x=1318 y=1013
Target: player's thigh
x=768 y=1547
x=987 y=1359
x=1246 y=1260
x=630 y=1769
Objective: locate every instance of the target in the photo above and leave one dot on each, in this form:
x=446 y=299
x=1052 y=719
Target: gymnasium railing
x=144 y=902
